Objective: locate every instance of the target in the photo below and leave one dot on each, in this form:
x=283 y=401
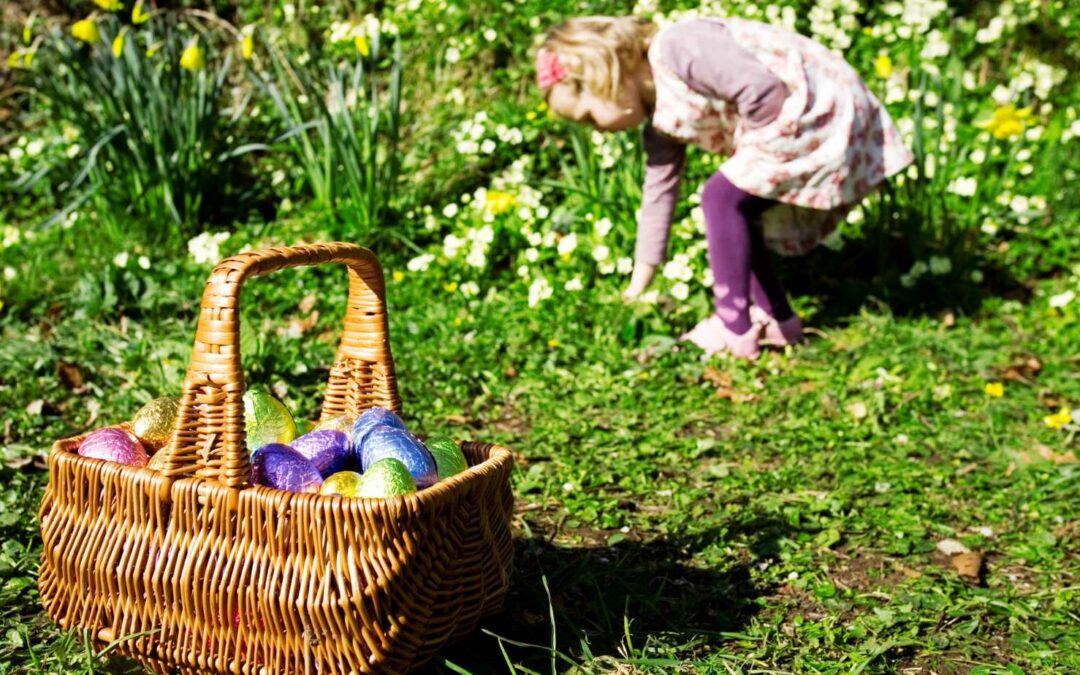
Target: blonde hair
x=597 y=50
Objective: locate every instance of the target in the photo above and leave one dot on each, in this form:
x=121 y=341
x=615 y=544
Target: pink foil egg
x=113 y=444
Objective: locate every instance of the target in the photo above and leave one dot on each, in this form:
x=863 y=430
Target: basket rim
x=498 y=457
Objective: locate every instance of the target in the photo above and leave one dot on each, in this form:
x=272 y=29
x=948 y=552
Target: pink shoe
x=713 y=336
x=777 y=333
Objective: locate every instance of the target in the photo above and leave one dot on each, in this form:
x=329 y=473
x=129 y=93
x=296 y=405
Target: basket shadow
x=601 y=594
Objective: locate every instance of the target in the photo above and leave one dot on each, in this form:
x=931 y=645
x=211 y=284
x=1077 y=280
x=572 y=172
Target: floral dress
x=831 y=144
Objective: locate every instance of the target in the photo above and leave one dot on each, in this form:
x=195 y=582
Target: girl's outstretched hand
x=640 y=279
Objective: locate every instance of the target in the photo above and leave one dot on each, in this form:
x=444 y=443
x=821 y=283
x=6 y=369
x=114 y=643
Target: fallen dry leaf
x=1055 y=457
x=307 y=304
x=70 y=375
x=952 y=547
x=968 y=565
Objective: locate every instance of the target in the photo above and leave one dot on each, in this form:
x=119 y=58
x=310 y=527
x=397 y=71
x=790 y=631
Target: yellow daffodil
x=139 y=15
x=20 y=58
x=192 y=58
x=994 y=389
x=28 y=29
x=118 y=42
x=883 y=66
x=362 y=45
x=109 y=5
x=247 y=47
x=398 y=275
x=497 y=201
x=1007 y=122
x=1058 y=419
x=87 y=31
x=450 y=287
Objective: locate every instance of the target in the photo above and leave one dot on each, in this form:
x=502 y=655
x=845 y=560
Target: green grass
x=672 y=514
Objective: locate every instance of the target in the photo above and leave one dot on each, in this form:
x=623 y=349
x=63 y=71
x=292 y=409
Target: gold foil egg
x=155 y=421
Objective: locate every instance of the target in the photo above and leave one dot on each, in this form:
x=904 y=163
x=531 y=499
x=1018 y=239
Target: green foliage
x=343 y=130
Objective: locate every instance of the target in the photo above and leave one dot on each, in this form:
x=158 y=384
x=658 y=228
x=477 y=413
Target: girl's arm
x=660 y=191
x=703 y=54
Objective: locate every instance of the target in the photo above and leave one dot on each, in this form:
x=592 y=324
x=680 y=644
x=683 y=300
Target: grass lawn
x=673 y=514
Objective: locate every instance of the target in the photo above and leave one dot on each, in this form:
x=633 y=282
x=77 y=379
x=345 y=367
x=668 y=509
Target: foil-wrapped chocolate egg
x=386 y=478
x=342 y=423
x=279 y=466
x=155 y=421
x=370 y=419
x=344 y=483
x=302 y=427
x=266 y=420
x=448 y=456
x=157 y=461
x=327 y=449
x=114 y=445
x=386 y=441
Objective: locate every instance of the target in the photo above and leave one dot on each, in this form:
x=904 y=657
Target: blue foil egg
x=370 y=419
x=327 y=449
x=385 y=441
x=280 y=467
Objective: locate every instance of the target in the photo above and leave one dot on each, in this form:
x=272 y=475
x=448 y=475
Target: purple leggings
x=741 y=265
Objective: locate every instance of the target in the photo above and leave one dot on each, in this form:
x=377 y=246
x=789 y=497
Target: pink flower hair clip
x=549 y=71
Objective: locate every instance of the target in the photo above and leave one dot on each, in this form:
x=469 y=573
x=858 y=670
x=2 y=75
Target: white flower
x=490 y=35
x=1061 y=299
x=624 y=265
x=488 y=146
x=205 y=248
x=453 y=55
x=539 y=290
x=476 y=257
x=469 y=289
x=34 y=147
x=451 y=245
x=420 y=263
x=531 y=254
x=600 y=253
x=73 y=151
x=144 y=262
x=977 y=156
x=678 y=268
x=1020 y=204
x=965 y=187
x=606 y=267
x=468 y=147
x=940 y=265
x=680 y=291
x=534 y=238
x=9 y=273
x=567 y=244
x=574 y=284
x=603 y=226
x=523 y=271
x=450 y=210
x=976 y=276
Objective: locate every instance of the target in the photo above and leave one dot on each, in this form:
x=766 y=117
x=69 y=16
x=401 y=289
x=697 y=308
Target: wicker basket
x=207 y=573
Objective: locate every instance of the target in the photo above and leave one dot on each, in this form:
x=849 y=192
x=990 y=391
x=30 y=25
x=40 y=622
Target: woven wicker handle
x=209 y=440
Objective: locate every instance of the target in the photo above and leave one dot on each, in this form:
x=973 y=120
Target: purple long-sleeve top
x=704 y=56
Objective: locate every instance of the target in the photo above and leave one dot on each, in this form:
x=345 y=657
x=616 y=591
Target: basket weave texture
x=200 y=572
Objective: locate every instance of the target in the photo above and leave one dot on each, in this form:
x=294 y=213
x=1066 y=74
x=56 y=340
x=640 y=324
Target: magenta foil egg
x=113 y=444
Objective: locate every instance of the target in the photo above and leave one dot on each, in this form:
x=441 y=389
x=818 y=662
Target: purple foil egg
x=371 y=419
x=327 y=449
x=385 y=441
x=279 y=466
x=114 y=445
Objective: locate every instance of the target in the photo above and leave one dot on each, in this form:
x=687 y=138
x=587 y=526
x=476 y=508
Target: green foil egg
x=303 y=426
x=155 y=421
x=344 y=483
x=157 y=461
x=342 y=423
x=266 y=420
x=386 y=478
x=448 y=456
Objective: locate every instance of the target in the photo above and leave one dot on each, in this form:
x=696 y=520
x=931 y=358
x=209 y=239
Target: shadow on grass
x=872 y=271
x=650 y=591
